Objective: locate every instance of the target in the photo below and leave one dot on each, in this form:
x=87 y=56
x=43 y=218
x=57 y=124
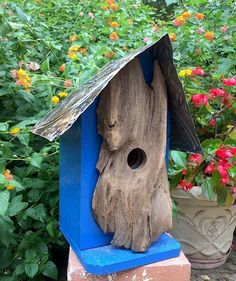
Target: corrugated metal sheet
x=183 y=134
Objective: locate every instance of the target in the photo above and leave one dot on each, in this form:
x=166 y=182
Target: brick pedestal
x=176 y=269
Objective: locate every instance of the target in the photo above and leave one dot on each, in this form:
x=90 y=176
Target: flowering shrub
x=204 y=51
x=48 y=49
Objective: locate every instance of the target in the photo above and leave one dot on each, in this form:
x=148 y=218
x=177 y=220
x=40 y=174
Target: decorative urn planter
x=204 y=229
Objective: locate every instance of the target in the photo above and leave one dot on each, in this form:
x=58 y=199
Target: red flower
x=198 y=71
x=224 y=180
x=196 y=158
x=184 y=185
x=225 y=163
x=199 y=99
x=216 y=92
x=210 y=169
x=184 y=172
x=212 y=122
x=223 y=153
x=232 y=150
x=229 y=82
x=222 y=170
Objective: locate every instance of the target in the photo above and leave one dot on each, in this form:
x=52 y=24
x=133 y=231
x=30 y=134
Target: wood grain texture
x=134 y=204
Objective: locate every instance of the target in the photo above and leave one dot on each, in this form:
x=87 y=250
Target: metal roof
x=183 y=134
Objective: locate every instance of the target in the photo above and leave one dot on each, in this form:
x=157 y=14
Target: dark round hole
x=136 y=158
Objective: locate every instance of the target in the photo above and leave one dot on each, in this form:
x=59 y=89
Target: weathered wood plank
x=131 y=198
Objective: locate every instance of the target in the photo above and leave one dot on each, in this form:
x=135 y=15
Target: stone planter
x=204 y=229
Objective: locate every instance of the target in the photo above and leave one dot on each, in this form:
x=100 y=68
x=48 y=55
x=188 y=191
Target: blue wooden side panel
x=79 y=151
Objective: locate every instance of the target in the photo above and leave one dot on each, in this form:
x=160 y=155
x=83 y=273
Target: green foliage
x=38 y=70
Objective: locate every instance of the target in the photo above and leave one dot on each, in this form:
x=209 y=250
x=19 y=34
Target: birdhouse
x=115 y=133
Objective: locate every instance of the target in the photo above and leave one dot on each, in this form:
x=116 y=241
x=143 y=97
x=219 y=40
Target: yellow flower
x=63 y=94
x=15 y=131
x=7 y=174
x=23 y=79
x=10 y=187
x=114 y=7
x=186 y=15
x=104 y=8
x=172 y=37
x=55 y=100
x=72 y=52
x=185 y=72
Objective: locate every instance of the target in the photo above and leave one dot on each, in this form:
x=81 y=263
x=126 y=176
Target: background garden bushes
x=47 y=50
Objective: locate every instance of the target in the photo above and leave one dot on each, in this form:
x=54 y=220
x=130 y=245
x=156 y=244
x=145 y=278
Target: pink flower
x=68 y=83
x=146 y=39
x=199 y=99
x=229 y=82
x=14 y=73
x=33 y=66
x=212 y=122
x=198 y=71
x=196 y=158
x=91 y=15
x=20 y=63
x=234 y=189
x=81 y=14
x=224 y=28
x=200 y=30
x=216 y=92
x=210 y=169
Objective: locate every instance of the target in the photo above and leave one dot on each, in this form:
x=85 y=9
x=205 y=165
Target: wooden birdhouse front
x=115 y=133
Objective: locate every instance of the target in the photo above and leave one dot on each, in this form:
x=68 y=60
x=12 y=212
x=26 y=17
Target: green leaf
x=221 y=196
x=232 y=171
x=4 y=201
x=232 y=135
x=37 y=213
x=169 y=2
x=19 y=269
x=31 y=269
x=207 y=188
x=45 y=66
x=5 y=260
x=36 y=159
x=30 y=254
x=6 y=230
x=226 y=64
x=4 y=127
x=50 y=270
x=179 y=157
x=24 y=138
x=16 y=206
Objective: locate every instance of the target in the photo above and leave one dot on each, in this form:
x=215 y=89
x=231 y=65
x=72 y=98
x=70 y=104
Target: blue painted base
x=108 y=259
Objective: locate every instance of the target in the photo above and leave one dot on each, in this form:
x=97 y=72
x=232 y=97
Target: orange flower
x=114 y=7
x=124 y=48
x=82 y=50
x=23 y=79
x=7 y=174
x=199 y=16
x=104 y=8
x=172 y=37
x=186 y=15
x=179 y=21
x=61 y=68
x=109 y=2
x=114 y=24
x=114 y=36
x=68 y=83
x=73 y=38
x=209 y=35
x=109 y=55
